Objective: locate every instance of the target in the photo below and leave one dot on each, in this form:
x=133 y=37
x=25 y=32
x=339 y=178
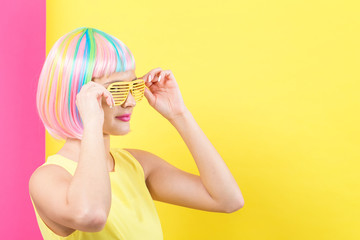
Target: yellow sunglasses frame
x=121 y=95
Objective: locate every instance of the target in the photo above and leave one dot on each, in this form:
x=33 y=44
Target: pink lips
x=125 y=117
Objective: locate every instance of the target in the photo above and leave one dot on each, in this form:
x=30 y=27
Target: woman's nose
x=130 y=100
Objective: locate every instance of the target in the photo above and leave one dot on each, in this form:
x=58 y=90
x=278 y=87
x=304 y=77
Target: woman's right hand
x=89 y=103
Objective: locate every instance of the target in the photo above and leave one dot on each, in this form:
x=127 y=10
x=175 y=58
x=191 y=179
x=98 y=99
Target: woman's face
x=112 y=124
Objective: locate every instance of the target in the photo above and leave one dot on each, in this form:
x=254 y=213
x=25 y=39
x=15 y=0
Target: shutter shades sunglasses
x=120 y=90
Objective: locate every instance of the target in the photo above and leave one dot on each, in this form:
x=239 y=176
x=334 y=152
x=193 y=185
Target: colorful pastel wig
x=73 y=61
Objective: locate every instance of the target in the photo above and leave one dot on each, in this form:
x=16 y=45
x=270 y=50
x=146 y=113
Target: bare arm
x=214 y=174
x=90 y=187
x=216 y=188
x=81 y=201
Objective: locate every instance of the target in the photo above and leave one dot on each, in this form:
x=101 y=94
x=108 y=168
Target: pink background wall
x=22 y=142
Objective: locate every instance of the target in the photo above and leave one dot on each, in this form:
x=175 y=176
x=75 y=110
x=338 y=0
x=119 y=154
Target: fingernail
x=159 y=78
x=150 y=78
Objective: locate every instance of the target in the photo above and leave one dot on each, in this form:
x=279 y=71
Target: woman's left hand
x=164 y=95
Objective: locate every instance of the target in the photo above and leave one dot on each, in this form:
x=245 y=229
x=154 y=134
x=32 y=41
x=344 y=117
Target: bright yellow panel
x=275 y=87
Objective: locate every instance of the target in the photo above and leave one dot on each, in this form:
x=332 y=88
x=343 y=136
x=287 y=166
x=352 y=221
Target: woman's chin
x=118 y=129
x=121 y=130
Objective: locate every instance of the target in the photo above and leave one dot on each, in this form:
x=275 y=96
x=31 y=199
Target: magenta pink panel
x=22 y=142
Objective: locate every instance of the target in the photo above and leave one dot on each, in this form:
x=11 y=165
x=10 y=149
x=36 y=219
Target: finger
x=161 y=75
x=168 y=74
x=149 y=96
x=101 y=92
x=148 y=84
x=150 y=78
x=112 y=101
x=151 y=75
x=153 y=78
x=156 y=76
x=109 y=98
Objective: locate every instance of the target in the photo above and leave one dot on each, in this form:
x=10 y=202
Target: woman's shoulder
x=46 y=174
x=52 y=167
x=55 y=165
x=141 y=156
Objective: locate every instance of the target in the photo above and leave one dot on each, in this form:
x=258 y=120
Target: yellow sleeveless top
x=132 y=214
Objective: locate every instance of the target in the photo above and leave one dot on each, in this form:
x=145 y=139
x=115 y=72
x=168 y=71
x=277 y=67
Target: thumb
x=149 y=96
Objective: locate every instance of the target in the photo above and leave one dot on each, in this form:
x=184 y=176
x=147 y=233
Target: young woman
x=87 y=91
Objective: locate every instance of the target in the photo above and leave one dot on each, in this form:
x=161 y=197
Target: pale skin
x=214 y=190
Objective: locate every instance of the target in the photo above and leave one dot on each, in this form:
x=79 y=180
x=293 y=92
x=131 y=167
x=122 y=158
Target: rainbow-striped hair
x=73 y=61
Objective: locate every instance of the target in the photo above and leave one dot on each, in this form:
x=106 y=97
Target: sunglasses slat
x=120 y=90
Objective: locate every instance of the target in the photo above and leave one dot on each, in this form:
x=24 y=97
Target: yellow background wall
x=275 y=87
